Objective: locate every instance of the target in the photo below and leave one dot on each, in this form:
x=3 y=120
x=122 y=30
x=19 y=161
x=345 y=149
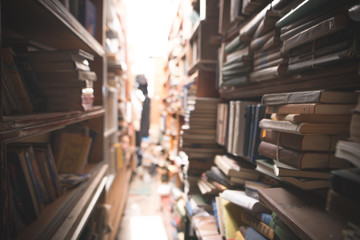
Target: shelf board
x=51 y=19
x=203 y=64
x=15 y=127
x=63 y=217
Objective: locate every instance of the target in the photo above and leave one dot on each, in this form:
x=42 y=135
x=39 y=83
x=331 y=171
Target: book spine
x=292 y=158
x=291 y=108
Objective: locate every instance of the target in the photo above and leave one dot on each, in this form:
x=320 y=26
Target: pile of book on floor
x=199 y=132
x=302 y=133
x=65 y=78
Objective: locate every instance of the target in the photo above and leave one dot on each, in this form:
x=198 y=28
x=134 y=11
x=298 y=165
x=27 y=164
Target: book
x=301 y=142
x=312 y=118
x=231 y=220
x=23 y=192
x=234 y=168
x=255 y=138
x=259 y=226
x=230 y=131
x=305 y=128
x=302 y=160
x=349 y=151
x=315 y=96
x=252 y=234
x=12 y=75
x=240 y=198
x=344 y=181
x=282 y=231
x=295 y=210
x=343 y=206
x=73 y=152
x=284 y=170
x=310 y=108
x=266 y=166
x=252 y=187
x=215 y=174
x=87 y=16
x=239 y=128
x=61 y=56
x=65 y=76
x=60 y=66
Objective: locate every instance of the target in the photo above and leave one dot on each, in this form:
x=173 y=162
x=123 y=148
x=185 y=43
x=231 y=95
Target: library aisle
x=147 y=214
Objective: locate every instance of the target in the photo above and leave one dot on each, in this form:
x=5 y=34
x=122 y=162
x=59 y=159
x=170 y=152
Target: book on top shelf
x=312 y=118
x=284 y=170
x=61 y=56
x=348 y=150
x=233 y=168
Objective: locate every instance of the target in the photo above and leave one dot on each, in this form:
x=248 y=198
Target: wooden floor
x=147 y=214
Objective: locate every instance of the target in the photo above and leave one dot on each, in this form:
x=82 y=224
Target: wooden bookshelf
x=49 y=25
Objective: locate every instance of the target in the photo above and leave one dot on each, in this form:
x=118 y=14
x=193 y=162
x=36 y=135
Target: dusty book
x=302 y=159
x=316 y=96
x=305 y=128
x=301 y=142
x=310 y=108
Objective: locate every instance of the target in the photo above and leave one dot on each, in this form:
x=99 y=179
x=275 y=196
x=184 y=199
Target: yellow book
x=73 y=153
x=231 y=218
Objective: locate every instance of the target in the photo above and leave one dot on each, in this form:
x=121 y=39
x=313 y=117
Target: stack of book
x=302 y=133
x=65 y=78
x=319 y=37
x=342 y=200
x=199 y=132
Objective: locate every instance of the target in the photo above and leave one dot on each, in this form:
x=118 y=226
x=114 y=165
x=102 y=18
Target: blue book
x=252 y=234
x=259 y=114
x=247 y=129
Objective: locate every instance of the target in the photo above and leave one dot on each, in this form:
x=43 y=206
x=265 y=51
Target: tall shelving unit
x=49 y=25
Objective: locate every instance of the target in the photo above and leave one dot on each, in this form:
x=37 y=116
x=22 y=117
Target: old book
x=27 y=200
x=344 y=181
x=310 y=108
x=233 y=168
x=284 y=170
x=240 y=198
x=305 y=128
x=267 y=74
x=255 y=138
x=61 y=56
x=238 y=55
x=303 y=159
x=311 y=118
x=60 y=66
x=343 y=206
x=231 y=220
x=348 y=150
x=295 y=210
x=266 y=166
x=230 y=131
x=259 y=226
x=355 y=124
x=73 y=152
x=327 y=27
x=64 y=76
x=299 y=142
x=315 y=96
x=12 y=75
x=282 y=231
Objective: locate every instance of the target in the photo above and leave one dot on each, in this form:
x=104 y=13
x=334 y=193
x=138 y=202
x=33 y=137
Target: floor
x=147 y=213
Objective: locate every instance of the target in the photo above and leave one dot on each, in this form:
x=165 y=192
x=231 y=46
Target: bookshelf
x=252 y=84
x=49 y=25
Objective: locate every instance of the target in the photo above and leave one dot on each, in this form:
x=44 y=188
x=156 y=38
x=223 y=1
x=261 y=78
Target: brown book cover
x=315 y=96
x=305 y=216
x=305 y=128
x=310 y=108
x=308 y=142
x=302 y=159
x=311 y=118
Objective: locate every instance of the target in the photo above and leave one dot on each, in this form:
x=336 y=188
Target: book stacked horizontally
x=320 y=40
x=302 y=133
x=199 y=132
x=342 y=200
x=65 y=78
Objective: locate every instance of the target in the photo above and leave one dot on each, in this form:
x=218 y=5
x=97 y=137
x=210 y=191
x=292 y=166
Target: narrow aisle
x=145 y=214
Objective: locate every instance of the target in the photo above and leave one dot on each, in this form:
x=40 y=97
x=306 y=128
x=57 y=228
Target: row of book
x=238 y=128
x=293 y=40
x=46 y=81
x=40 y=172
